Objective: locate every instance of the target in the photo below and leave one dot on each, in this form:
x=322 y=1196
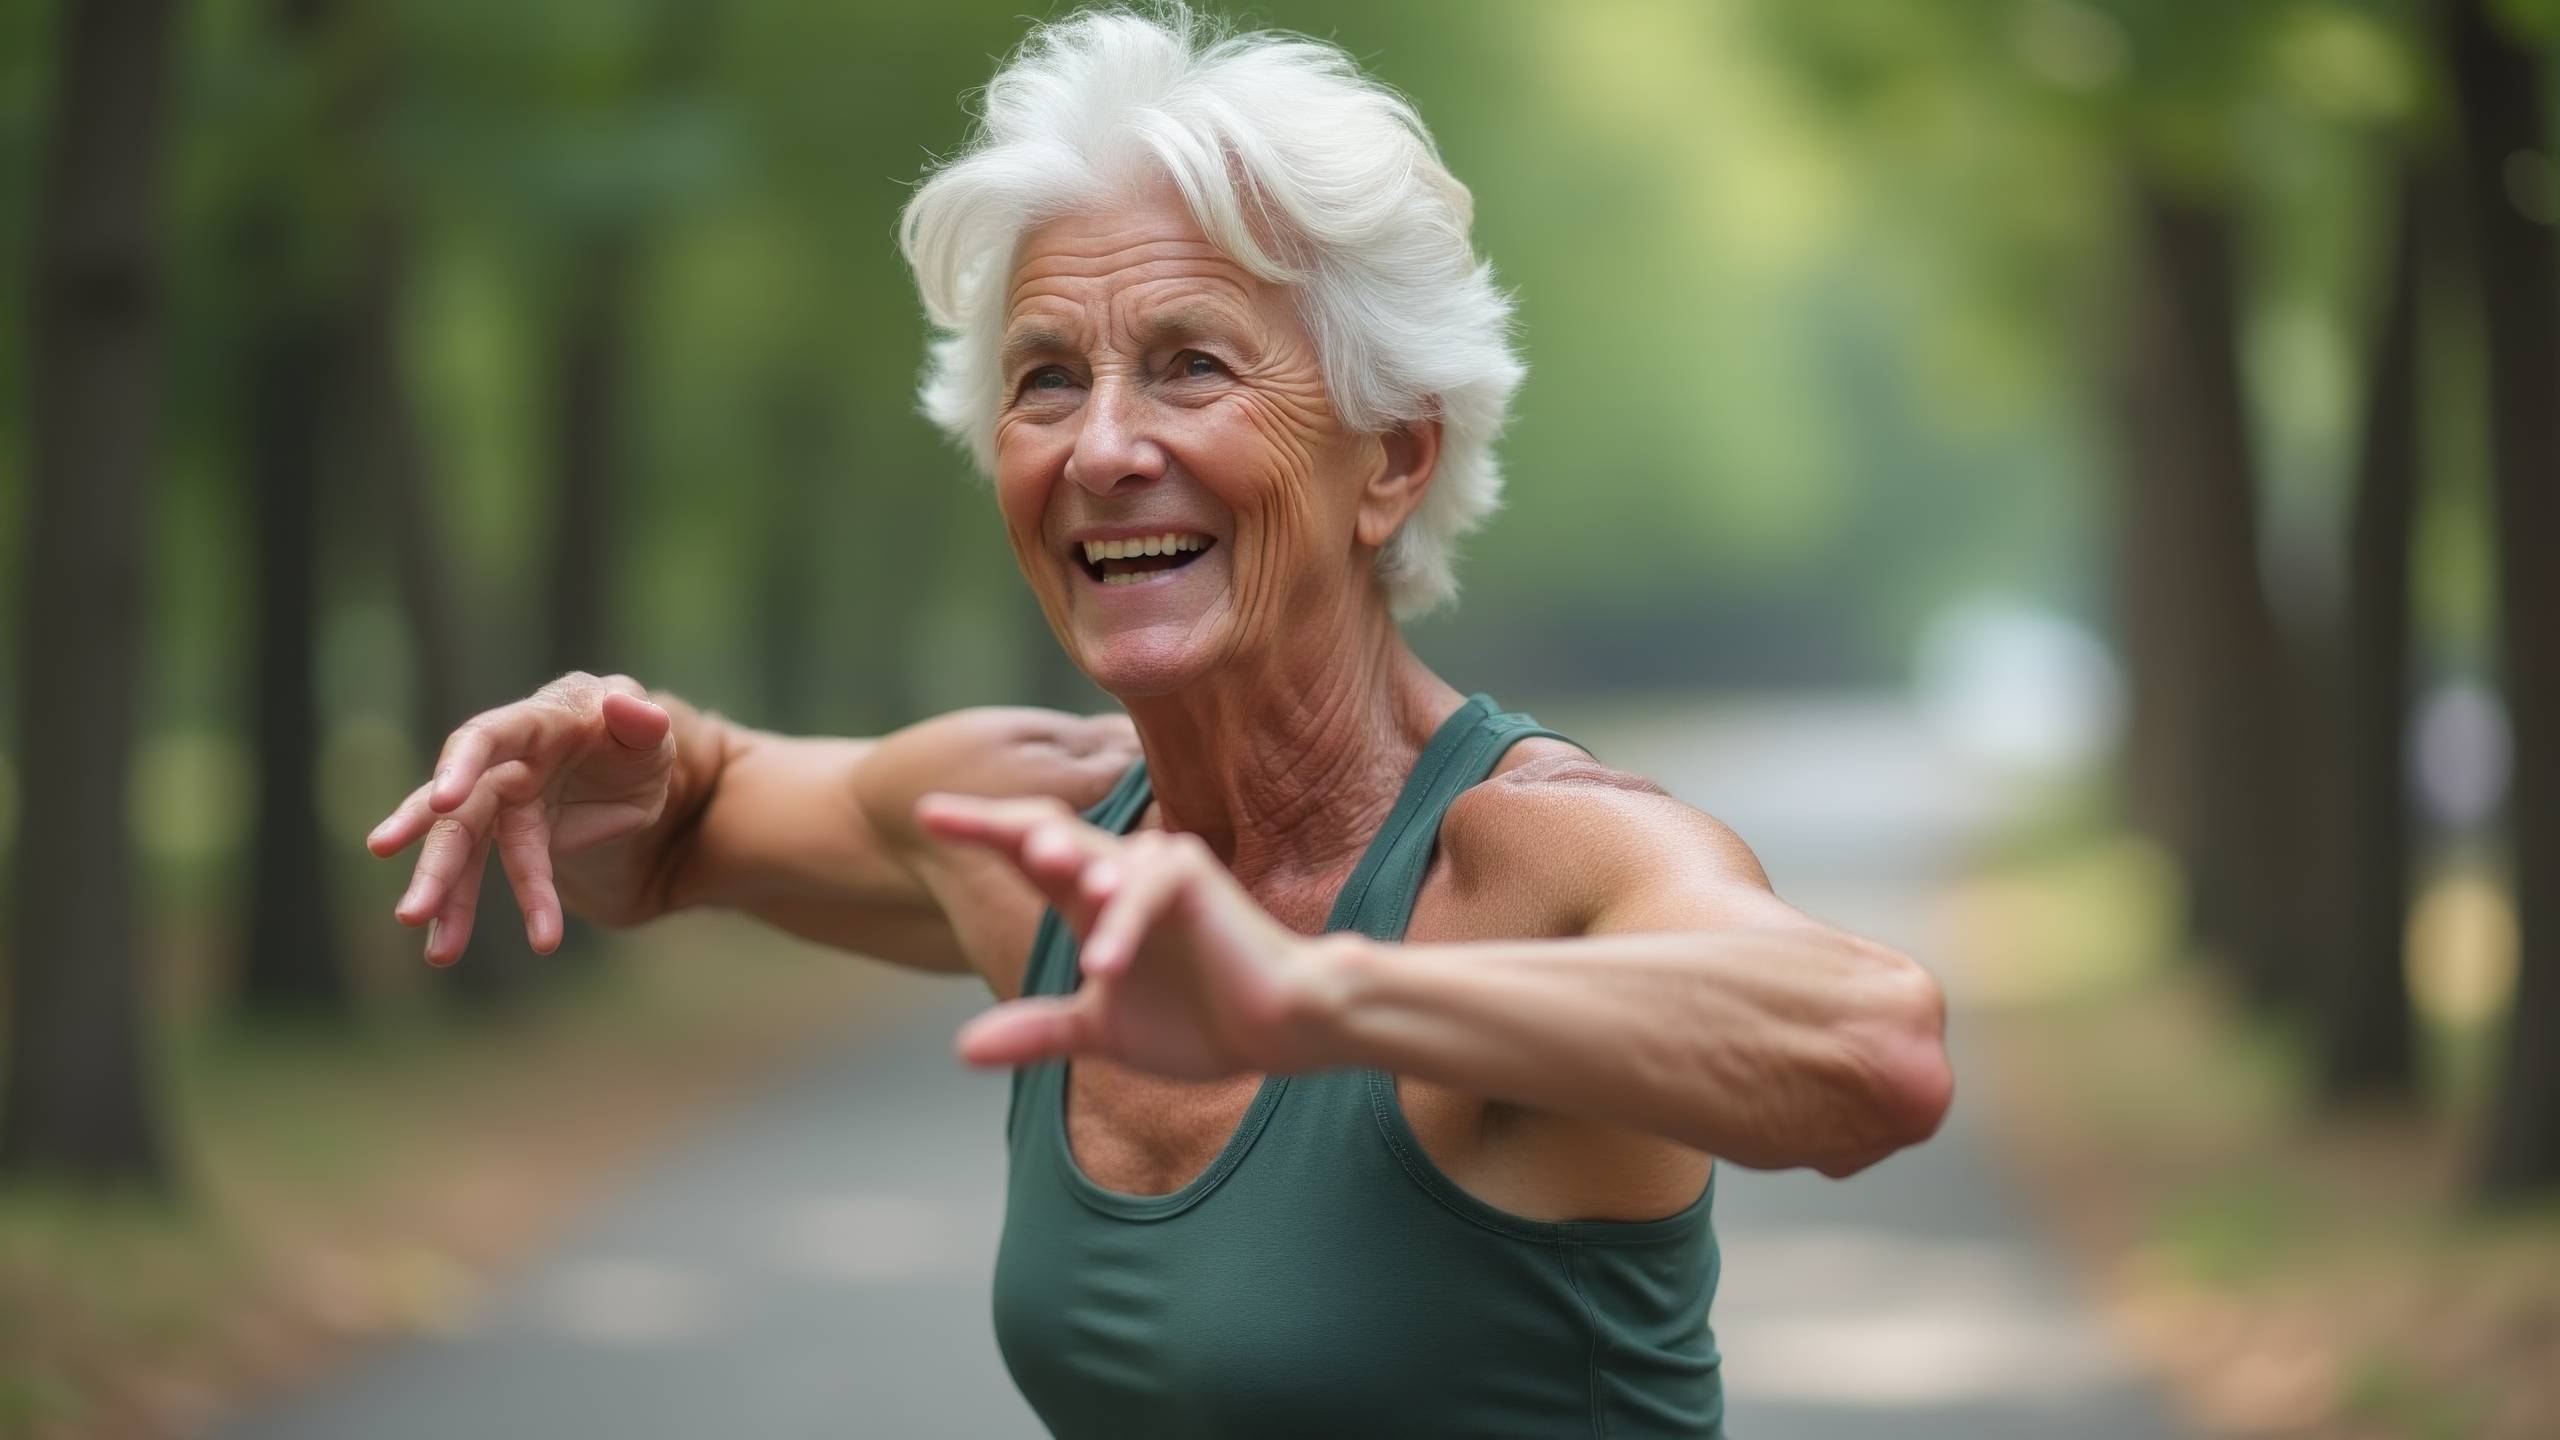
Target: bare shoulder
x=1540 y=849
x=1552 y=821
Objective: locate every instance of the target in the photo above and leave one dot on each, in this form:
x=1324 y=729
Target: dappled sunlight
x=2462 y=949
x=2076 y=925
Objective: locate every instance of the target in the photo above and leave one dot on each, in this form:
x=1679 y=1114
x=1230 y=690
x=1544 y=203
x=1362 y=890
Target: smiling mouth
x=1128 y=562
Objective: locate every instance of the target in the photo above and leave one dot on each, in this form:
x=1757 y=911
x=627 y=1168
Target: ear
x=1408 y=454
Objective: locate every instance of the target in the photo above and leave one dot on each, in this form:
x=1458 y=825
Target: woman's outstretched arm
x=815 y=835
x=1680 y=999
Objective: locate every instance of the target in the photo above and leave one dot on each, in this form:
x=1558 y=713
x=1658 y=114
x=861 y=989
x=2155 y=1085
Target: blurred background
x=2076 y=484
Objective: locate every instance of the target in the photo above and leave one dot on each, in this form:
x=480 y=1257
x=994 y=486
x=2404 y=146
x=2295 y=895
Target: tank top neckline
x=1134 y=795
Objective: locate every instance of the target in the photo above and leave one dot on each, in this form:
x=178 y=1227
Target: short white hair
x=1307 y=172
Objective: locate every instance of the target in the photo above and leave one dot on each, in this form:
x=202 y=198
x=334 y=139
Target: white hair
x=1308 y=173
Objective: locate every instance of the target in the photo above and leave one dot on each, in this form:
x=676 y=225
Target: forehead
x=1142 y=253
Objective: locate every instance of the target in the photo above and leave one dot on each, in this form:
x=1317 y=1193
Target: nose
x=1113 y=446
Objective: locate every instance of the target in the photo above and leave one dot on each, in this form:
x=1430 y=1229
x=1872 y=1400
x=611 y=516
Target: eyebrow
x=1187 y=322
x=1192 y=322
x=1023 y=344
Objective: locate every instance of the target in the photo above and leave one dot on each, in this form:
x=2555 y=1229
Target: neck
x=1287 y=764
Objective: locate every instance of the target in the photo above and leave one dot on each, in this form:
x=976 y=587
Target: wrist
x=706 y=742
x=1335 y=972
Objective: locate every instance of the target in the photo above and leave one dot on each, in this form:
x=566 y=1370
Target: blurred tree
x=293 y=363
x=2506 y=149
x=2362 y=999
x=2212 y=670
x=2158 y=99
x=593 y=344
x=79 y=1100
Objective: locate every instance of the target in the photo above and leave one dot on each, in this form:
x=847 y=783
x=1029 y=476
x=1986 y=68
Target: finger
x=451 y=931
x=451 y=839
x=634 y=722
x=1048 y=843
x=406 y=822
x=489 y=741
x=998 y=823
x=1056 y=854
x=1122 y=925
x=1025 y=1031
x=524 y=849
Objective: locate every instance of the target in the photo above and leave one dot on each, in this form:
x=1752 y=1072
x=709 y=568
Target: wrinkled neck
x=1288 y=763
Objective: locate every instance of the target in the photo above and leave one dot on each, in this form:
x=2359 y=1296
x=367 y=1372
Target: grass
x=338 y=1187
x=2294 y=1271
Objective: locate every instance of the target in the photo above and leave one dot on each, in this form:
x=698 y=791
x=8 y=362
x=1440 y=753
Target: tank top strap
x=1378 y=899
x=1052 y=946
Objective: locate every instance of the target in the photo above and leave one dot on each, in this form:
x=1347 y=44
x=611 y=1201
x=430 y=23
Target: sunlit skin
x=1598 y=994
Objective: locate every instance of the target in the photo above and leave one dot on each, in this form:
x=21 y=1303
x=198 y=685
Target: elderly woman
x=1372 y=1046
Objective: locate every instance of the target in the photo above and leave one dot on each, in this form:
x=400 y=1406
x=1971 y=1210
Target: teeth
x=1169 y=544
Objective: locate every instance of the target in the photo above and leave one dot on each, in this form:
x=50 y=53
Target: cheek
x=1281 y=471
x=1023 y=481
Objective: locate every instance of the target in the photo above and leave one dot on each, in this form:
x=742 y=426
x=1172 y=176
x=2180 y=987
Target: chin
x=1137 y=661
x=1153 y=637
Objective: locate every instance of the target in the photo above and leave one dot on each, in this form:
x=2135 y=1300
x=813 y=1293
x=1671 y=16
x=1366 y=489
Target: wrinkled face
x=1175 y=484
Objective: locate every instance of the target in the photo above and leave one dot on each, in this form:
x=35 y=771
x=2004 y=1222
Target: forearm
x=1770 y=1048
x=781 y=835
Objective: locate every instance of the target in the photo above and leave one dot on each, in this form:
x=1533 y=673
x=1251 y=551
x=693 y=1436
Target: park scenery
x=2074 y=483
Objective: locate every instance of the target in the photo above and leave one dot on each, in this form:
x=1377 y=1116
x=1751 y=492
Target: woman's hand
x=570 y=785
x=1184 y=975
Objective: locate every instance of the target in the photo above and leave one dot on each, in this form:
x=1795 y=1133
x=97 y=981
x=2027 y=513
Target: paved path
x=818 y=1263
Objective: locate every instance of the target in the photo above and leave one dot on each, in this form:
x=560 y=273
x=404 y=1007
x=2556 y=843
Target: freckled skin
x=1224 y=428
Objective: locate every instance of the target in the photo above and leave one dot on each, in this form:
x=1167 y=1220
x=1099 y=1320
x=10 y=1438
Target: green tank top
x=1322 y=1277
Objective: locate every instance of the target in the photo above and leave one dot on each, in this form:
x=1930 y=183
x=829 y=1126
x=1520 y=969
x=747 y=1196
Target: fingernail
x=430 y=950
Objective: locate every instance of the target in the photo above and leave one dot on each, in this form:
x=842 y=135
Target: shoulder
x=996 y=750
x=992 y=750
x=1590 y=838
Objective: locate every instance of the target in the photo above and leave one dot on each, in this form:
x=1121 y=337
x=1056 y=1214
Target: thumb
x=634 y=723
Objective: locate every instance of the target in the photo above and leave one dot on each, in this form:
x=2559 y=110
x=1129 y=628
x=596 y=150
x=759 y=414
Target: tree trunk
x=395 y=469
x=80 y=1102
x=2154 y=514
x=587 y=459
x=2499 y=87
x=2364 y=1016
x=2222 y=683
x=291 y=968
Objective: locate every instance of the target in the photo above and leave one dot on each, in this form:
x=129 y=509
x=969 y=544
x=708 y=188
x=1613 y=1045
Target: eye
x=1192 y=365
x=1047 y=377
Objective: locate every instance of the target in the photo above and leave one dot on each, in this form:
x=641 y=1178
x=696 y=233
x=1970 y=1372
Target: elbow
x=1904 y=1083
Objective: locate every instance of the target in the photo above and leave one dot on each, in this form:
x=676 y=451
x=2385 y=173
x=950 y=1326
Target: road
x=817 y=1262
